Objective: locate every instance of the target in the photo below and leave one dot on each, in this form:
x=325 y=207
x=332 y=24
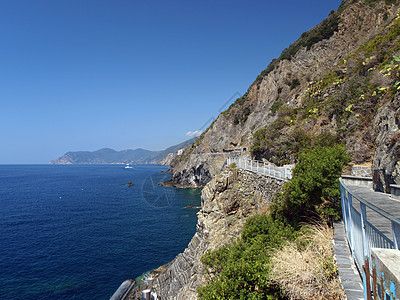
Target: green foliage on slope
x=240 y=110
x=242 y=269
x=319 y=33
x=314 y=190
x=374 y=2
x=349 y=93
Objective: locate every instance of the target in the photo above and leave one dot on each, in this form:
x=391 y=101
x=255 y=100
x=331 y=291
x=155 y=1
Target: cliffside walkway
x=281 y=173
x=371 y=220
x=348 y=273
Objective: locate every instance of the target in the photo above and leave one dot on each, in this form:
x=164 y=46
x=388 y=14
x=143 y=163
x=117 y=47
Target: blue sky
x=87 y=74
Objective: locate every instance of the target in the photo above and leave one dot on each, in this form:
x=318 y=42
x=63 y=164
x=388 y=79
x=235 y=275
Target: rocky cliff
x=227 y=201
x=340 y=78
x=195 y=170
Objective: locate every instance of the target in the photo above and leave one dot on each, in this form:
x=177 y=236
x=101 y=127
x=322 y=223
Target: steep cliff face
x=227 y=201
x=387 y=141
x=333 y=85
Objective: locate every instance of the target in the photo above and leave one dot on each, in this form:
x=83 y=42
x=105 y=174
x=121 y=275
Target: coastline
x=170 y=183
x=227 y=201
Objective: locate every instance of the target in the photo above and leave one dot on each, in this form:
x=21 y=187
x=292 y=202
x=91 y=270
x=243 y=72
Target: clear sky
x=88 y=74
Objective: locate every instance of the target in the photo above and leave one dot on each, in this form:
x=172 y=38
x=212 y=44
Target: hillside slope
x=110 y=156
x=340 y=78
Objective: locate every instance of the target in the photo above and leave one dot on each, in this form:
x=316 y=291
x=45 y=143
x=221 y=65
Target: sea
x=79 y=231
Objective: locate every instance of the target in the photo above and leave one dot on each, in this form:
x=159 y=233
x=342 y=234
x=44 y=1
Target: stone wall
x=361 y=171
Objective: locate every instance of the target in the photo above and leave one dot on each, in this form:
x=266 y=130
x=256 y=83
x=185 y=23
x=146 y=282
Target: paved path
x=348 y=274
x=383 y=201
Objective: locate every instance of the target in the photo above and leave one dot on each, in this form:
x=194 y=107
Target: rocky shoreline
x=227 y=201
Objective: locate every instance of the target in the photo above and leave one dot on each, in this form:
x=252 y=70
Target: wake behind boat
x=128 y=166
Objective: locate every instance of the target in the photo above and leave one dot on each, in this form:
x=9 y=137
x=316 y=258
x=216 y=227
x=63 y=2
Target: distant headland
x=111 y=156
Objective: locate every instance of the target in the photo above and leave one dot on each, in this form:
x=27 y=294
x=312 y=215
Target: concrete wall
x=357 y=180
x=386 y=273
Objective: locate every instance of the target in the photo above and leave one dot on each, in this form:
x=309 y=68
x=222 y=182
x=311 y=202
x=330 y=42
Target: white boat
x=128 y=166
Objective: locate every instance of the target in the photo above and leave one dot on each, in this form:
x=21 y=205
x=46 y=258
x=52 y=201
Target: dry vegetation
x=305 y=268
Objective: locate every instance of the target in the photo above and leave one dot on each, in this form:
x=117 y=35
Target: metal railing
x=282 y=173
x=361 y=234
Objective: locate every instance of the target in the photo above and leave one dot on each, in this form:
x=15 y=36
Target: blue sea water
x=78 y=231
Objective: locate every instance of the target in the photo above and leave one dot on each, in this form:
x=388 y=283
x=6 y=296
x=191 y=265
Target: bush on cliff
x=241 y=270
x=313 y=192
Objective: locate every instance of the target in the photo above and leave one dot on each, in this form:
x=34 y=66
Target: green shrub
x=275 y=107
x=232 y=166
x=295 y=83
x=373 y=2
x=241 y=270
x=246 y=113
x=313 y=192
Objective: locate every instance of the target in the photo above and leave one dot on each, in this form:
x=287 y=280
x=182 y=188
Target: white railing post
x=257 y=165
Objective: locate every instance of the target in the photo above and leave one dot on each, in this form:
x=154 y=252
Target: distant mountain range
x=110 y=156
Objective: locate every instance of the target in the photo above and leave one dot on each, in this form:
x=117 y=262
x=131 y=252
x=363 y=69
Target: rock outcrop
x=196 y=169
x=227 y=201
x=166 y=161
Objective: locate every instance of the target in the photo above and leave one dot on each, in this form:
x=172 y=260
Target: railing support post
x=349 y=225
x=364 y=235
x=396 y=235
x=365 y=264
